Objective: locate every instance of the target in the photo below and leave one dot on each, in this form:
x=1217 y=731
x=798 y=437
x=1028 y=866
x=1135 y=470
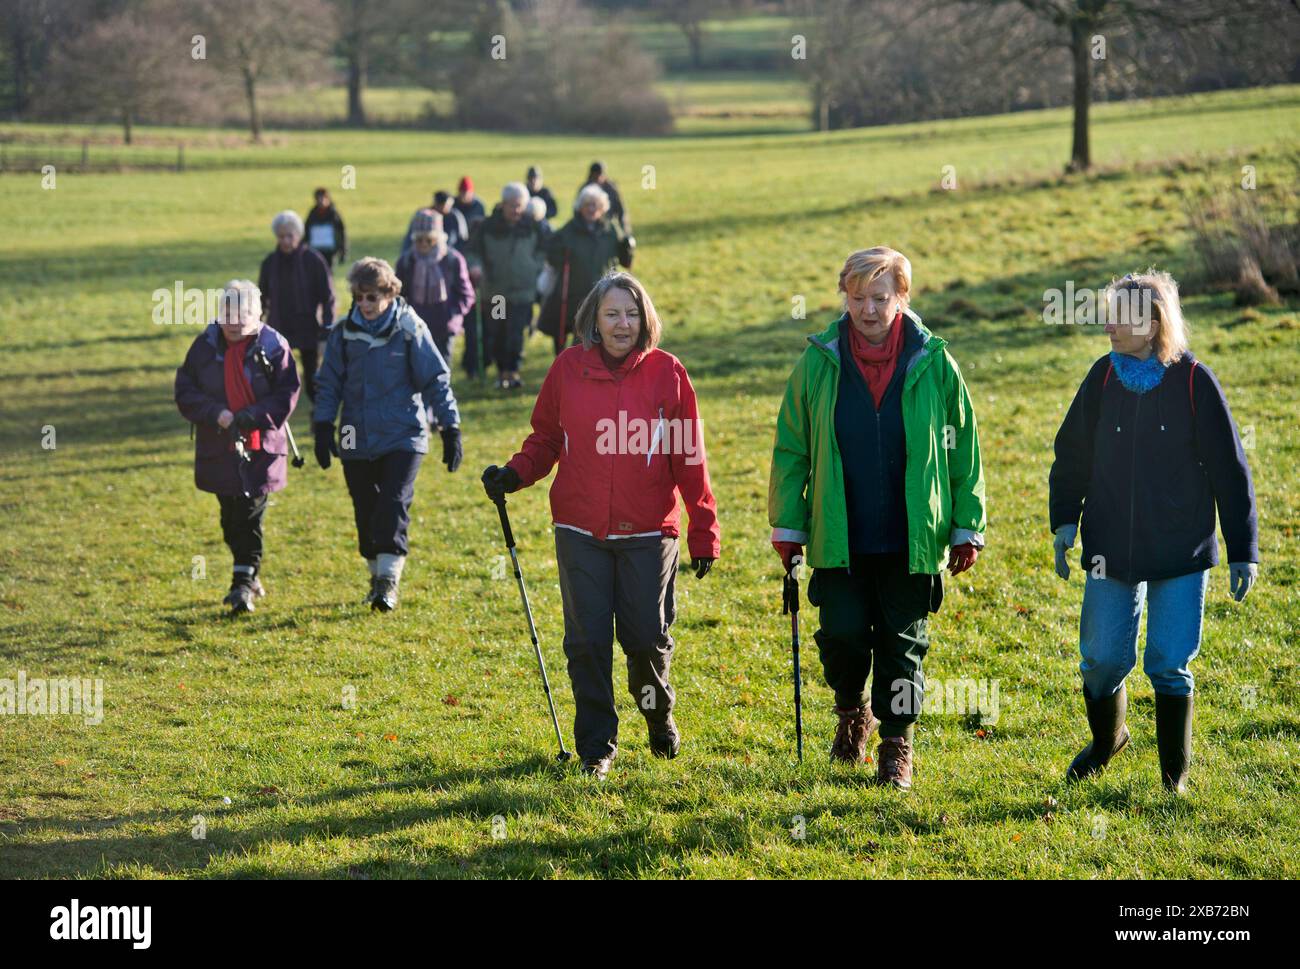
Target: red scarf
x=239 y=392
x=877 y=363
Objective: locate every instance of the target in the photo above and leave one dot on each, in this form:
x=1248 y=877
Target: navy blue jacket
x=385 y=374
x=1147 y=471
x=873 y=450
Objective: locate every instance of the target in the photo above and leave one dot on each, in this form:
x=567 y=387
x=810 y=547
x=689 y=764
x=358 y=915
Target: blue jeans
x=1108 y=632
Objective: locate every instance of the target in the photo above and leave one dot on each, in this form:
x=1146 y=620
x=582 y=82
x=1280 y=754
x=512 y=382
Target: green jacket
x=944 y=485
x=511 y=257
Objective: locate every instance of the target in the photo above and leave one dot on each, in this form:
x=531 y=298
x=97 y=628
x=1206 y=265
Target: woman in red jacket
x=620 y=417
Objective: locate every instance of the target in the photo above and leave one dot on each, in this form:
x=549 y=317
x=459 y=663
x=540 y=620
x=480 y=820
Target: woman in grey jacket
x=382 y=368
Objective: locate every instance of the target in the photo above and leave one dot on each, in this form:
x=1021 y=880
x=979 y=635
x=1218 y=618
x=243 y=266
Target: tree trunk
x=126 y=126
x=1080 y=157
x=254 y=115
x=695 y=37
x=356 y=82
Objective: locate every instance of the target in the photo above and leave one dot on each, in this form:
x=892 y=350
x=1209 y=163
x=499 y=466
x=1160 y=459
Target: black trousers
x=309 y=364
x=241 y=527
x=382 y=490
x=506 y=336
x=875 y=610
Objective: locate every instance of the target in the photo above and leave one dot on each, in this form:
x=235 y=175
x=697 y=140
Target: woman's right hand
x=224 y=419
x=499 y=482
x=788 y=551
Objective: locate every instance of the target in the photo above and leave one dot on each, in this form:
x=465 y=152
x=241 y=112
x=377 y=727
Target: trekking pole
x=265 y=364
x=790 y=605
x=509 y=534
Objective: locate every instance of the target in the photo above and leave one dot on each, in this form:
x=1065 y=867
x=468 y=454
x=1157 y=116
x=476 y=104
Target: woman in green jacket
x=590 y=245
x=876 y=469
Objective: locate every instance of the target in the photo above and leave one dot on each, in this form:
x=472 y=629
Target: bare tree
x=1086 y=27
x=263 y=40
x=134 y=65
x=689 y=17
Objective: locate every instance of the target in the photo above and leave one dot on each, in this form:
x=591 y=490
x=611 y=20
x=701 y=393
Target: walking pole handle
x=505 y=521
x=790 y=587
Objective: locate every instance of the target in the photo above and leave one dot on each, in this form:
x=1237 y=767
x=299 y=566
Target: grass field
x=449 y=730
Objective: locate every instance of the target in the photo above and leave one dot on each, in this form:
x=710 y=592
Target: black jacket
x=329 y=217
x=1147 y=472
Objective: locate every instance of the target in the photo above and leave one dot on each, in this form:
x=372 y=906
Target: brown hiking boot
x=598 y=767
x=856 y=727
x=895 y=768
x=665 y=738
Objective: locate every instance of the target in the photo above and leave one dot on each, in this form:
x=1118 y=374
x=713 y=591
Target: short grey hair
x=515 y=190
x=537 y=208
x=244 y=297
x=590 y=192
x=287 y=219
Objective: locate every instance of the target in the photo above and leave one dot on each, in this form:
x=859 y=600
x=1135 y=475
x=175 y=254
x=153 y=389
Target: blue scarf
x=1137 y=375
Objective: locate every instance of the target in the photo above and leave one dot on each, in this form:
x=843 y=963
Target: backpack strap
x=1110 y=368
x=1191 y=394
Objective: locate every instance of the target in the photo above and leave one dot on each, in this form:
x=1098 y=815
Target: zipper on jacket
x=1132 y=482
x=654 y=440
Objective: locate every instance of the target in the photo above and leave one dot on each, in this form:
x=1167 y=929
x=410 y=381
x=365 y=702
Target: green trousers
x=874 y=614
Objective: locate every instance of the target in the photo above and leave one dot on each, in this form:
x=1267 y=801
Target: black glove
x=245 y=421
x=499 y=482
x=325 y=446
x=452 y=451
x=701 y=566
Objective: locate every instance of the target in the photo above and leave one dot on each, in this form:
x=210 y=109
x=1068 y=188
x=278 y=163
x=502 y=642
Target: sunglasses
x=366 y=297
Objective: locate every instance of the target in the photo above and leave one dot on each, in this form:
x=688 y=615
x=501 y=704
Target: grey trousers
x=620 y=588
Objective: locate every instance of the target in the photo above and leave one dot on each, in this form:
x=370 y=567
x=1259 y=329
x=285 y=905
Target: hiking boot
x=895 y=768
x=856 y=726
x=665 y=739
x=369 y=600
x=1109 y=735
x=385 y=595
x=241 y=599
x=1174 y=740
x=598 y=767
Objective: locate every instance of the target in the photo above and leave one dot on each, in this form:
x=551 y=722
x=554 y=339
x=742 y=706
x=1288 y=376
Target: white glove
x=1063 y=542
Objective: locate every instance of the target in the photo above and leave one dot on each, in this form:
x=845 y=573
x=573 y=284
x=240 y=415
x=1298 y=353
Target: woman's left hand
x=452 y=451
x=701 y=565
x=961 y=558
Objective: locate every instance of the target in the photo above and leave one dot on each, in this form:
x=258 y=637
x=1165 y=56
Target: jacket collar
x=593 y=365
x=828 y=341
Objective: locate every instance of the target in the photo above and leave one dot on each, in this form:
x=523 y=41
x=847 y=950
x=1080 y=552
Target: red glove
x=961 y=558
x=787 y=551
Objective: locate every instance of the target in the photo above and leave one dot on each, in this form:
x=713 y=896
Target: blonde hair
x=376 y=274
x=1169 y=341
x=867 y=265
x=584 y=324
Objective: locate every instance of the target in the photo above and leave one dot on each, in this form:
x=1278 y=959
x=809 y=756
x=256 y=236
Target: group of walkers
x=876 y=481
x=492 y=277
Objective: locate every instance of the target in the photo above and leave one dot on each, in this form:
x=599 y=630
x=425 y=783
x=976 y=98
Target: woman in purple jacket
x=238 y=386
x=1147 y=453
x=435 y=281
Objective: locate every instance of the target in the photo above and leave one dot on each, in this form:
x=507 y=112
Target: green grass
x=101 y=533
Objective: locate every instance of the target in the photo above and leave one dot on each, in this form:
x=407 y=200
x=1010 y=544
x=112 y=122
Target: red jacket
x=626 y=448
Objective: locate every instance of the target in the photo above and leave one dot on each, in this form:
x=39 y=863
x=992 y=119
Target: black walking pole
x=563 y=755
x=790 y=605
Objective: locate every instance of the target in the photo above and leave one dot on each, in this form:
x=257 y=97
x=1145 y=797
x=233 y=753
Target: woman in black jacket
x=1147 y=452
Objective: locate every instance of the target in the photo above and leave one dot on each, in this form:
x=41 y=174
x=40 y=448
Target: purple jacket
x=201 y=397
x=298 y=295
x=446 y=318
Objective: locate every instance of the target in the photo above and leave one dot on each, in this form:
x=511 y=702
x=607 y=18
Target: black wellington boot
x=1174 y=740
x=1109 y=735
